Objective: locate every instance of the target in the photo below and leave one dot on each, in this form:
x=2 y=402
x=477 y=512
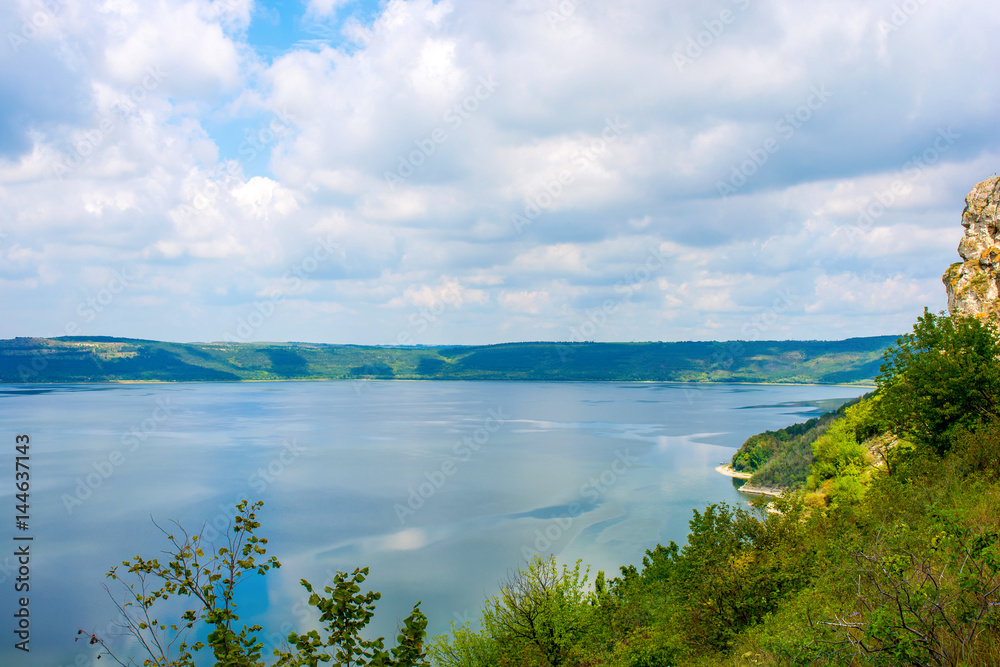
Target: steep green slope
x=783 y=458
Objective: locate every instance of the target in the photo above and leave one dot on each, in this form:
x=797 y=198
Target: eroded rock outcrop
x=974 y=284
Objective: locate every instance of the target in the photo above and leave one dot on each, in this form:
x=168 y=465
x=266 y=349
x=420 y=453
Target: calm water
x=440 y=487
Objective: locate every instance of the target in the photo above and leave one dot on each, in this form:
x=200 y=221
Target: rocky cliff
x=974 y=284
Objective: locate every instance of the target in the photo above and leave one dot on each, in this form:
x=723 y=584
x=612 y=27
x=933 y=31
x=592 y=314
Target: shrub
x=941 y=378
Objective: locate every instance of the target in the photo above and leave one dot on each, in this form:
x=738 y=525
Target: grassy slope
x=103 y=359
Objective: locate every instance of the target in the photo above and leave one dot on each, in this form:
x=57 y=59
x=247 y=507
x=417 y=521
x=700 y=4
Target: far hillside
x=106 y=359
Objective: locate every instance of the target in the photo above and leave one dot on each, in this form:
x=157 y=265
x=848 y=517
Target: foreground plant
x=541 y=618
x=210 y=581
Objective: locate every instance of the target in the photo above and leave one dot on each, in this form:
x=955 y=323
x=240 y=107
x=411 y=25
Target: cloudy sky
x=467 y=171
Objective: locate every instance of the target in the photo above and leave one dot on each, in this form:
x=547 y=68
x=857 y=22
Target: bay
x=441 y=488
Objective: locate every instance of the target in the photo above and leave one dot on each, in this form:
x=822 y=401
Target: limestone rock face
x=974 y=284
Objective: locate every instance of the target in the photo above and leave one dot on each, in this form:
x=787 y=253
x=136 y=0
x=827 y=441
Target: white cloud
x=868 y=295
x=485 y=106
x=325 y=8
x=186 y=41
x=526 y=302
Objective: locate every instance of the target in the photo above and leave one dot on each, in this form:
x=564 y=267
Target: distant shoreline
x=863 y=385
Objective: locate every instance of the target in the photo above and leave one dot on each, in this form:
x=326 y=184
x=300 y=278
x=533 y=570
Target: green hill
x=783 y=458
x=107 y=359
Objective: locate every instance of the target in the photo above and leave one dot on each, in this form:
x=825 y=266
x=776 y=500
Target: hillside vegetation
x=888 y=554
x=102 y=359
x=783 y=458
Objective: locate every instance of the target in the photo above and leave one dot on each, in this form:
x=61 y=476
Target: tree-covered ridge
x=783 y=458
x=104 y=359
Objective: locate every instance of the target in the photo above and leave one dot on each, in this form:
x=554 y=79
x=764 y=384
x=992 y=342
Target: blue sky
x=412 y=172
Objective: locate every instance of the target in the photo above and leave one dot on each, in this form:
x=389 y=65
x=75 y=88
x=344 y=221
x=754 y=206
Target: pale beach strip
x=727 y=470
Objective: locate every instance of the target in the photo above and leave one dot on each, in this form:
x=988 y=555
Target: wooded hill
x=106 y=359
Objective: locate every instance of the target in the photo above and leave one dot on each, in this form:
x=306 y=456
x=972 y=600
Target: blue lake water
x=441 y=488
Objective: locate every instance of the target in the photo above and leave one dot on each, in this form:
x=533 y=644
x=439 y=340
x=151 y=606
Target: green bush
x=542 y=616
x=941 y=378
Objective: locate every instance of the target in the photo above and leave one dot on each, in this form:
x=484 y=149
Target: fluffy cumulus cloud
x=467 y=172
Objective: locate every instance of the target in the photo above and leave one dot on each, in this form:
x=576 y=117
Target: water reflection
x=599 y=471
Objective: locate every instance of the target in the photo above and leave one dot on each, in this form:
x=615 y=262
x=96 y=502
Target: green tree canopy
x=941 y=377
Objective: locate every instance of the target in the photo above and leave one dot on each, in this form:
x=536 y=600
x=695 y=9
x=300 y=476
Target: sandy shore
x=727 y=470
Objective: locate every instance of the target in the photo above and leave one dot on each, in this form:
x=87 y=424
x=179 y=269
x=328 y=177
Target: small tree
x=539 y=618
x=346 y=613
x=541 y=609
x=943 y=376
x=210 y=580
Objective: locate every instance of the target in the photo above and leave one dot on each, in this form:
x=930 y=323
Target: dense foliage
x=784 y=457
x=941 y=378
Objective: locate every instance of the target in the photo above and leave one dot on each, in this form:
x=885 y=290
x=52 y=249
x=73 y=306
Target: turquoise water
x=441 y=488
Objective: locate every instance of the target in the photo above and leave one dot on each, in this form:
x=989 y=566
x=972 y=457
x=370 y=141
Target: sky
x=458 y=172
